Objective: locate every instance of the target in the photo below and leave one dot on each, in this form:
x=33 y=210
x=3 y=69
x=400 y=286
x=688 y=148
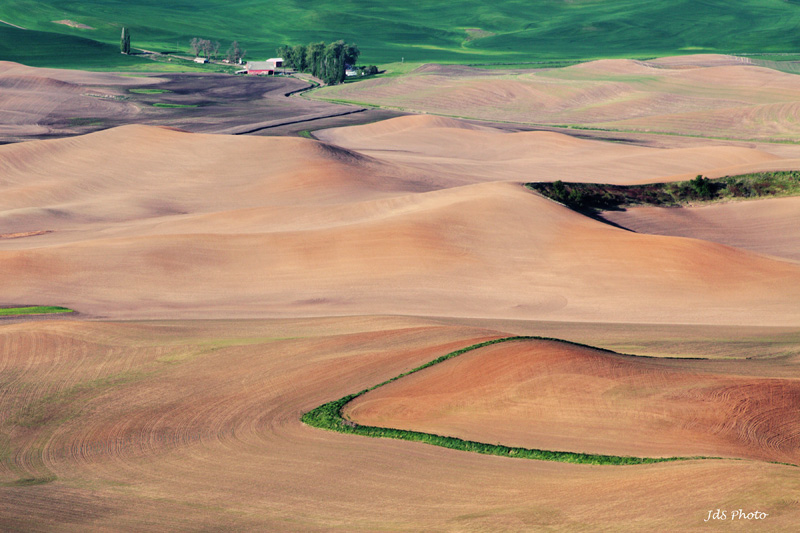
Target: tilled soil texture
x=553 y=395
x=710 y=96
x=51 y=103
x=148 y=222
x=765 y=226
x=195 y=425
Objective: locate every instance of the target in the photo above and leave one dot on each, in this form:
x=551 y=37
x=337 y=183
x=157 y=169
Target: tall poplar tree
x=315 y=53
x=125 y=41
x=333 y=71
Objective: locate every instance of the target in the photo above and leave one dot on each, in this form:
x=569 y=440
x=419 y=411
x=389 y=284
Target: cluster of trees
x=325 y=61
x=569 y=196
x=208 y=49
x=235 y=52
x=367 y=71
x=204 y=47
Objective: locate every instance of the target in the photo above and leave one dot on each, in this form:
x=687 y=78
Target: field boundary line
x=328 y=416
x=13 y=25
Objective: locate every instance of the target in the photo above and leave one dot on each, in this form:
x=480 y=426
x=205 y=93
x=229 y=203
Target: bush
x=701 y=186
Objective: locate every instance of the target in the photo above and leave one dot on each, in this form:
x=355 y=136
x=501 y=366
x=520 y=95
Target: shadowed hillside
x=145 y=221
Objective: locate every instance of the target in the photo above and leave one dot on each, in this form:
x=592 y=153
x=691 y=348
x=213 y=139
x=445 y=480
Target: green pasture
x=44 y=49
x=467 y=31
x=47 y=49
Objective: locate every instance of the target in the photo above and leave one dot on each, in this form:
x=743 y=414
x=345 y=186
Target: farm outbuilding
x=268 y=67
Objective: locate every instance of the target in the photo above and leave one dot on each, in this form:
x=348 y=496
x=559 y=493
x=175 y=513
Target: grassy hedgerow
x=604 y=197
x=329 y=416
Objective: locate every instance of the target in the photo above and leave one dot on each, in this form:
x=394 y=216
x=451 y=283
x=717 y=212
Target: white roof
x=260 y=65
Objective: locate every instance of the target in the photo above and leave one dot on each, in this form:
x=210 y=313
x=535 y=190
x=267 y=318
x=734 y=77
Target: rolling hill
x=149 y=222
x=225 y=285
x=465 y=31
x=552 y=395
x=42 y=49
x=706 y=95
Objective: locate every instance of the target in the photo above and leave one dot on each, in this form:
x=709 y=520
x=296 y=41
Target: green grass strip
x=29 y=482
x=329 y=416
x=162 y=104
x=34 y=310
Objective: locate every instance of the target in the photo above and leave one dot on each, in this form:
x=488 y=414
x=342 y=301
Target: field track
x=12 y=25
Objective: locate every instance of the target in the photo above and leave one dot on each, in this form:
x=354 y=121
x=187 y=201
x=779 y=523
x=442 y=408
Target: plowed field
x=195 y=425
x=706 y=96
x=226 y=285
x=555 y=396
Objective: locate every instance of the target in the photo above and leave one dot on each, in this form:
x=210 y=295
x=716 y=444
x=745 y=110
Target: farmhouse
x=268 y=67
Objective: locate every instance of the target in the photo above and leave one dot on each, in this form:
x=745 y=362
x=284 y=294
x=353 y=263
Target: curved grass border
x=34 y=310
x=179 y=106
x=329 y=416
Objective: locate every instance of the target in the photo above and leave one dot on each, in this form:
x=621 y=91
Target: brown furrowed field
x=330 y=231
x=448 y=146
x=38 y=103
x=227 y=284
x=546 y=394
x=770 y=227
x=707 y=96
x=195 y=425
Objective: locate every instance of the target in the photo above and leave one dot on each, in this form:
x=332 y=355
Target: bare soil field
x=708 y=96
x=444 y=144
x=148 y=222
x=40 y=103
x=556 y=396
x=227 y=284
x=770 y=227
x=195 y=425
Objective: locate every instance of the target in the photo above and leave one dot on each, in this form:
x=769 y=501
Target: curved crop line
x=34 y=310
x=329 y=416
